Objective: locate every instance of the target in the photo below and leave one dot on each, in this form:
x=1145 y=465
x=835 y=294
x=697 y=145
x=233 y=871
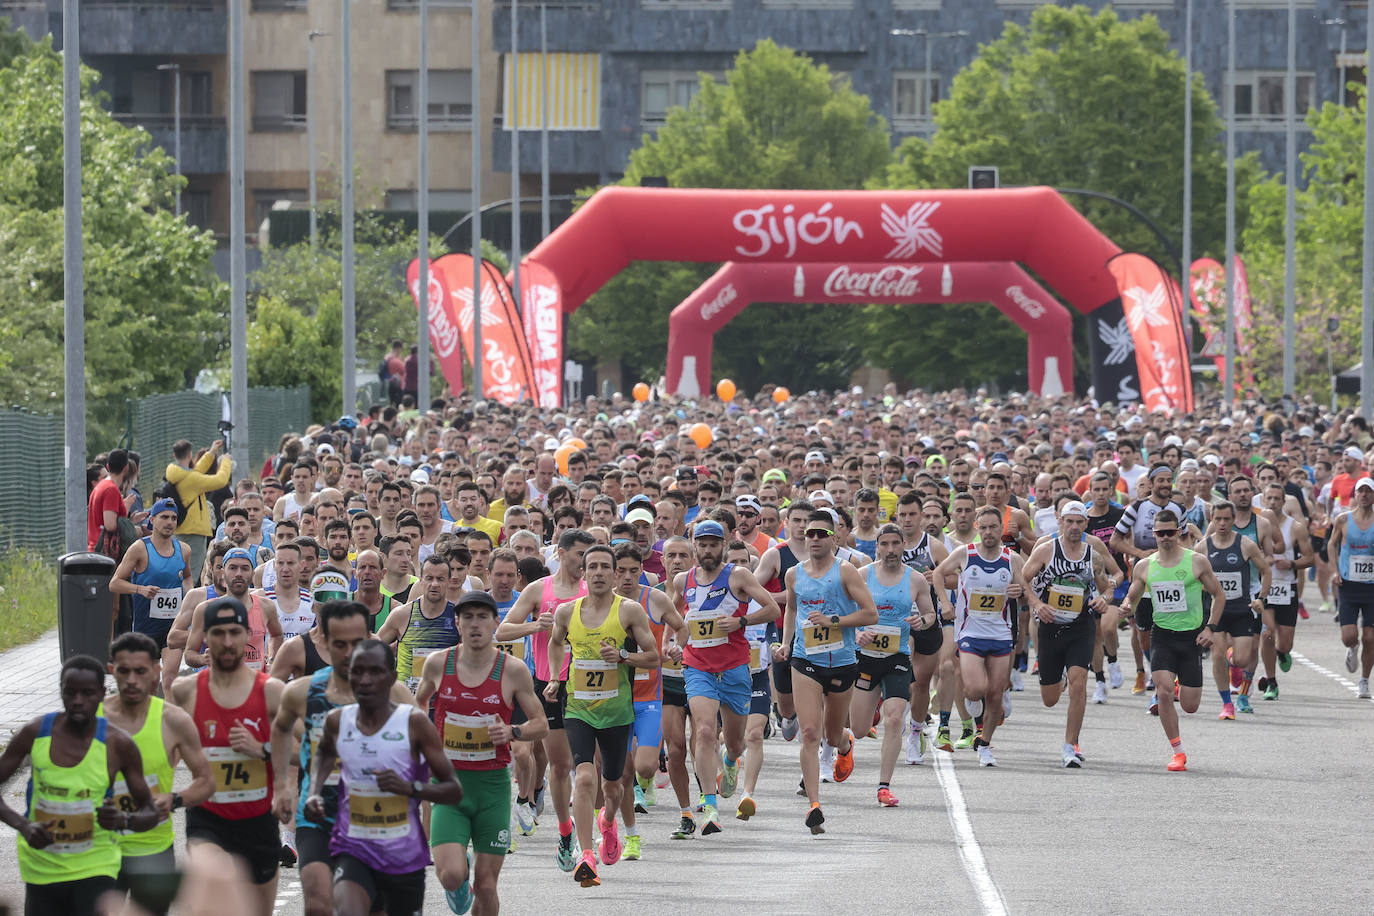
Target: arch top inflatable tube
x=1034 y=226
x=693 y=324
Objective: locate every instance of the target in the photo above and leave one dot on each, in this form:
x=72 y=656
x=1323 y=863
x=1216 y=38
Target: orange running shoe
x=1139 y=683
x=886 y=798
x=1179 y=763
x=844 y=763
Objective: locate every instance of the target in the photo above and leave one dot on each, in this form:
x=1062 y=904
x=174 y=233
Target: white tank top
x=983 y=611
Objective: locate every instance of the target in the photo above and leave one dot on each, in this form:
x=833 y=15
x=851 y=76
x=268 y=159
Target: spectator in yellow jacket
x=192 y=483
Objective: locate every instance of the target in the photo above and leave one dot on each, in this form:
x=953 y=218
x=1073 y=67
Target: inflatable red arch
x=1034 y=226
x=692 y=325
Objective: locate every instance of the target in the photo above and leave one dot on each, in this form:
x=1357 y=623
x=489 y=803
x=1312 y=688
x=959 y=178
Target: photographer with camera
x=192 y=482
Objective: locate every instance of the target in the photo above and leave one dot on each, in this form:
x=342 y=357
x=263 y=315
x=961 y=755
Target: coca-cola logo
x=884 y=283
x=442 y=332
x=1025 y=303
x=718 y=304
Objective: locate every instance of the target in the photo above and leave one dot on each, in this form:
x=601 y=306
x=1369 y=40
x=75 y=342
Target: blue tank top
x=1359 y=544
x=317 y=707
x=867 y=548
x=830 y=646
x=894 y=607
x=154 y=616
x=502 y=609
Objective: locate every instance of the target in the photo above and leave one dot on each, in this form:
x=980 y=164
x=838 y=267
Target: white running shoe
x=1352 y=659
x=827 y=754
x=1071 y=760
x=1363 y=692
x=1006 y=704
x=1099 y=694
x=985 y=758
x=915 y=745
x=1114 y=675
x=524 y=816
x=790 y=727
x=1018 y=683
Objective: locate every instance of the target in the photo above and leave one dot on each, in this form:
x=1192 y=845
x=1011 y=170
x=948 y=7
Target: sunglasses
x=1166 y=532
x=742 y=514
x=818 y=533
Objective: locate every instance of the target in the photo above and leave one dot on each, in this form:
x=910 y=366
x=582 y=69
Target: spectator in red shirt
x=108 y=503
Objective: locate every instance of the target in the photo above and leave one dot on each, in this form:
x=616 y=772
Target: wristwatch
x=835 y=619
x=267 y=751
x=416 y=787
x=177 y=801
x=624 y=654
x=1214 y=627
x=515 y=732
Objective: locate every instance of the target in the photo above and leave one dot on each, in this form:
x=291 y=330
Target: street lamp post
x=175 y=70
x=930 y=97
x=310 y=128
x=1290 y=180
x=1341 y=24
x=1186 y=255
x=1229 y=384
x=350 y=361
x=422 y=216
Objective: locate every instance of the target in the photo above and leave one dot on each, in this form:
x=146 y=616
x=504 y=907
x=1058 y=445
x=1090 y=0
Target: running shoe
x=1179 y=763
x=710 y=820
x=610 y=839
x=1325 y=608
x=746 y=809
x=1352 y=659
x=814 y=820
x=460 y=901
x=567 y=853
x=1078 y=752
x=1071 y=761
x=1285 y=662
x=640 y=807
x=660 y=781
x=966 y=739
x=1018 y=683
x=801 y=788
x=1228 y=712
x=827 y=753
x=985 y=758
x=1139 y=682
x=1271 y=690
x=633 y=852
x=942 y=742
x=1114 y=675
x=1150 y=682
x=287 y=856
x=844 y=763
x=524 y=818
x=585 y=874
x=1153 y=708
x=1100 y=693
x=1302 y=611
x=1363 y=691
x=1006 y=706
x=729 y=776
x=886 y=798
x=685 y=829
x=1243 y=704
x=790 y=727
x=915 y=745
x=539 y=801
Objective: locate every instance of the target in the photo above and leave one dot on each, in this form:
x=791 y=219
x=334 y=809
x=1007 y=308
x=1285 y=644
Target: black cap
x=477 y=597
x=224 y=611
x=685 y=472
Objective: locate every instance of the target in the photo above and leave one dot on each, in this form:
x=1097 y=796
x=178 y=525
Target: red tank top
x=647 y=681
x=463 y=714
x=707 y=649
x=243 y=785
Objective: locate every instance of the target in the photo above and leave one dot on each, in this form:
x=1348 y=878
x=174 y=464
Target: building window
x=280 y=6
x=1258 y=97
x=279 y=100
x=912 y=99
x=661 y=90
x=439 y=199
x=267 y=200
x=196 y=206
x=450 y=99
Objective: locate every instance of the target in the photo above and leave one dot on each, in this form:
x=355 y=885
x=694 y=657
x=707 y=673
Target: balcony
x=279 y=123
x=161 y=27
x=203 y=139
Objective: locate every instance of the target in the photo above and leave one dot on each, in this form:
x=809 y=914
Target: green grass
x=28 y=597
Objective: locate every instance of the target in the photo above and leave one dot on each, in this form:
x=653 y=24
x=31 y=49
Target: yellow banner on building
x=574 y=97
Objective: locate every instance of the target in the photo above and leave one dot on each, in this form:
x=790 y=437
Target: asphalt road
x=1273 y=816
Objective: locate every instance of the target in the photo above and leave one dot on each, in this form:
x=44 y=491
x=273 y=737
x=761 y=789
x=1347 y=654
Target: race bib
x=1169 y=598
x=825 y=638
x=702 y=632
x=595 y=679
x=165 y=604
x=755 y=658
x=238 y=778
x=672 y=668
x=253 y=652
x=468 y=738
x=986 y=604
x=515 y=649
x=119 y=793
x=72 y=824
x=1067 y=598
x=417 y=661
x=374 y=815
x=1280 y=592
x=887 y=640
x=1361 y=568
x=1230 y=585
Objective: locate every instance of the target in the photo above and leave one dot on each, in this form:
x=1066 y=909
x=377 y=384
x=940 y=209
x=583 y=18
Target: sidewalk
x=28 y=682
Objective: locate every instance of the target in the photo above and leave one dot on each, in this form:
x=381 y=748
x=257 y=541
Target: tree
x=1329 y=235
x=1076 y=100
x=778 y=121
x=154 y=308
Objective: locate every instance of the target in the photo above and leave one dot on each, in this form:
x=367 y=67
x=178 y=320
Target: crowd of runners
x=416 y=638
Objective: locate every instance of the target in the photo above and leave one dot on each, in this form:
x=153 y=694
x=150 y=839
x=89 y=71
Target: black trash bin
x=84 y=605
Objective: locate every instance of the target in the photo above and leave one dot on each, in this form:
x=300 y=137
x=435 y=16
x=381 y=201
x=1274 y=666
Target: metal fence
x=31 y=453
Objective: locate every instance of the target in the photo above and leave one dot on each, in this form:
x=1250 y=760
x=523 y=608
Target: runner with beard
x=922 y=553
x=1103 y=515
x=774 y=565
x=264 y=631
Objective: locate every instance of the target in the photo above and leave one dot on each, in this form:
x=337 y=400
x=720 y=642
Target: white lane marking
x=285 y=895
x=1341 y=679
x=969 y=851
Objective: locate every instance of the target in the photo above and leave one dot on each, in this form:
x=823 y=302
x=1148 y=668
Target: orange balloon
x=576 y=443
x=563 y=453
x=725 y=390
x=781 y=394
x=641 y=392
x=700 y=433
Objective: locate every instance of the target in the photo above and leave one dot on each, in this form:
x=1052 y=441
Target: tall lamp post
x=175 y=70
x=310 y=129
